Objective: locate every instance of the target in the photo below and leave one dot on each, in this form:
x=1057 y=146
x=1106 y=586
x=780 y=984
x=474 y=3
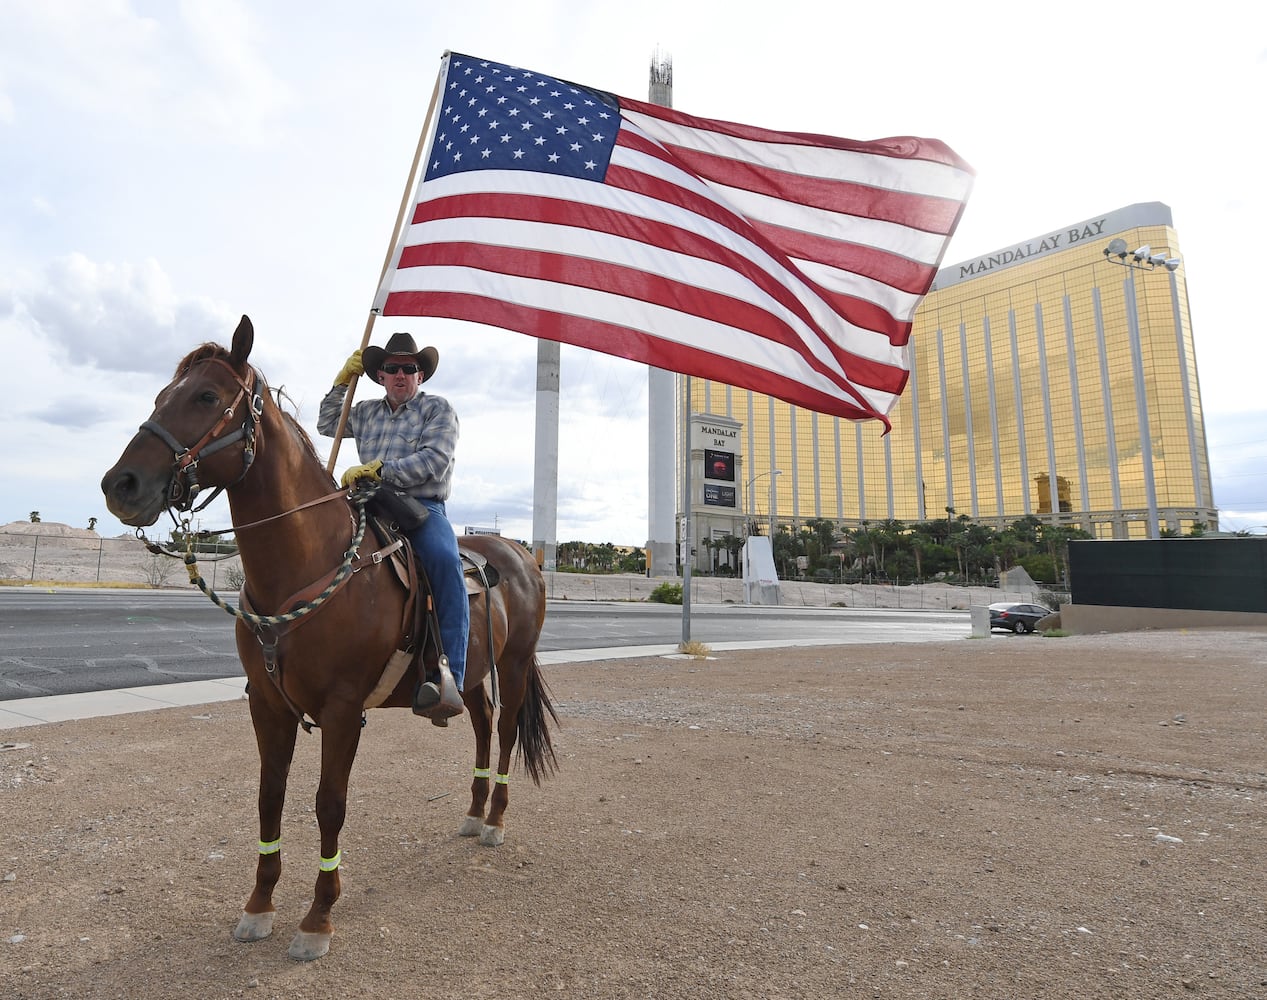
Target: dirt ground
x=1016 y=817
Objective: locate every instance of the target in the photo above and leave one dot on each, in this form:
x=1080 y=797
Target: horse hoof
x=471 y=826
x=492 y=836
x=308 y=946
x=254 y=926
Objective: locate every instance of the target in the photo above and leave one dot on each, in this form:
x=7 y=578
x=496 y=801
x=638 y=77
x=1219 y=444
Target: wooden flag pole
x=405 y=201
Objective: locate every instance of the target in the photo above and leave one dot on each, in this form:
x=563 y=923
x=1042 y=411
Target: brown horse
x=322 y=613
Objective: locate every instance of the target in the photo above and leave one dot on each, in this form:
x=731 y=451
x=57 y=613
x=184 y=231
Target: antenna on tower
x=660 y=88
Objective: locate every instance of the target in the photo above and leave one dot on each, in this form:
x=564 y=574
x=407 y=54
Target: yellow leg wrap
x=330 y=864
x=503 y=779
x=483 y=772
x=272 y=847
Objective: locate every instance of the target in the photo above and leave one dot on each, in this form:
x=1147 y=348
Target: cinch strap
x=272 y=847
x=330 y=864
x=503 y=779
x=483 y=772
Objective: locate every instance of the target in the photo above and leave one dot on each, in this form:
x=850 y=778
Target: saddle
x=479 y=575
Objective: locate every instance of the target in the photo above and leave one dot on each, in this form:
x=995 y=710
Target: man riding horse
x=408 y=439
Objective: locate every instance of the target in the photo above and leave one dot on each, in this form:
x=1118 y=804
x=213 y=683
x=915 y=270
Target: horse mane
x=293 y=423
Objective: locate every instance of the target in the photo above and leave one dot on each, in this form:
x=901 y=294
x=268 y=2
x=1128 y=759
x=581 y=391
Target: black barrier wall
x=1199 y=574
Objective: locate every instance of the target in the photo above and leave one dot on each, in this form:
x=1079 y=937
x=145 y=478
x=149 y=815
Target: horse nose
x=118 y=485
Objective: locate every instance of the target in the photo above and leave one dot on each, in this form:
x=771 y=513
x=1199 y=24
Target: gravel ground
x=1012 y=817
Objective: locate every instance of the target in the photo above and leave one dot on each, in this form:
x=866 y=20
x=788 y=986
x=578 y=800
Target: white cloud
x=114 y=317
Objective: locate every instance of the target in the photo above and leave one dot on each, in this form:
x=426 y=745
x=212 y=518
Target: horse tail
x=536 y=751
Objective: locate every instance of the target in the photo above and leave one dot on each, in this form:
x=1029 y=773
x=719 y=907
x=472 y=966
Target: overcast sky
x=166 y=167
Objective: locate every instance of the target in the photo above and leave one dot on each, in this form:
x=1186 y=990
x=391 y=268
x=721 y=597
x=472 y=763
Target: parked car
x=1017 y=617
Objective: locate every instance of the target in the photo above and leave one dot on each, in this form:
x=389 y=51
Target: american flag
x=787 y=263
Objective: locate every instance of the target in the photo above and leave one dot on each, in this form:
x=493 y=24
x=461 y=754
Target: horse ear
x=243 y=341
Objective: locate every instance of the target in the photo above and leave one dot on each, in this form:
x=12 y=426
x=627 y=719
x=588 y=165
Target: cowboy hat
x=400 y=343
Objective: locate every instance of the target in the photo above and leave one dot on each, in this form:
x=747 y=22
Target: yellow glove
x=353 y=369
x=370 y=470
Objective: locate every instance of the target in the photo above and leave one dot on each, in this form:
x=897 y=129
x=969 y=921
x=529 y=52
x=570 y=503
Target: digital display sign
x=719 y=465
x=719 y=496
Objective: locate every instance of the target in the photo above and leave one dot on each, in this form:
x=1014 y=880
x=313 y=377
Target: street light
x=1141 y=259
x=747 y=493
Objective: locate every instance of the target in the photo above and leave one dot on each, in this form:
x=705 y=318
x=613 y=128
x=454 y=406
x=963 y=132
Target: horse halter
x=183 y=486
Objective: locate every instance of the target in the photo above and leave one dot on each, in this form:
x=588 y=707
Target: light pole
x=747 y=499
x=1142 y=259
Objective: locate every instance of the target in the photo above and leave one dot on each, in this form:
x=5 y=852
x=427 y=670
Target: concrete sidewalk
x=64 y=707
x=91 y=704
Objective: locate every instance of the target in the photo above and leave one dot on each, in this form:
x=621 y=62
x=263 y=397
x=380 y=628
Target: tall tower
x=545 y=483
x=661 y=405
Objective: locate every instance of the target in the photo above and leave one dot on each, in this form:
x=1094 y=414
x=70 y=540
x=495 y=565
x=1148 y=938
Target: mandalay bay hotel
x=1054 y=377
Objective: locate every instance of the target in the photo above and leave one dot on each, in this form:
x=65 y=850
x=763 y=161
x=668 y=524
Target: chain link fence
x=37 y=557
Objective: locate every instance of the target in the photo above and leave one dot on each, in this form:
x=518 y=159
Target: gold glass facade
x=1047 y=378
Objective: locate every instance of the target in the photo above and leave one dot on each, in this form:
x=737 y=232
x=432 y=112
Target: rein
x=305 y=607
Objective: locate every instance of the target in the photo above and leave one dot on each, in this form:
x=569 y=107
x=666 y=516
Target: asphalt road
x=74 y=641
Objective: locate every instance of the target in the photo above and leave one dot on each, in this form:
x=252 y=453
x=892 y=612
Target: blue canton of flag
x=497 y=117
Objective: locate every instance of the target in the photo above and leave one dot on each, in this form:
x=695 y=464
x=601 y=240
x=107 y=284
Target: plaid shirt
x=416 y=442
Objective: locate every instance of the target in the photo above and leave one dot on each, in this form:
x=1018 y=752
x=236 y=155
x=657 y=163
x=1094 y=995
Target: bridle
x=183 y=487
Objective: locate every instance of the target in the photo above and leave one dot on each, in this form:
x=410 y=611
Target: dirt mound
x=51 y=528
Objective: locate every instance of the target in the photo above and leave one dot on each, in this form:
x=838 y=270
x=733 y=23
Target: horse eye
x=209 y=396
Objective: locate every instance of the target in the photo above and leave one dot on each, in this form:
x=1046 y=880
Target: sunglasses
x=392 y=368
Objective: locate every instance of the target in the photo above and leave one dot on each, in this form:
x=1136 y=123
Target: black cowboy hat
x=400 y=343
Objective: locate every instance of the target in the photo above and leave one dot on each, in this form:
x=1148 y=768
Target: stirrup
x=438 y=702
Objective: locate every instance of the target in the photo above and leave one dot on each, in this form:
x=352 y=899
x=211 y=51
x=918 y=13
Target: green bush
x=667 y=593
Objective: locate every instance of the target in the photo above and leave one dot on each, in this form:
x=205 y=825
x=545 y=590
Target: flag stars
x=528 y=102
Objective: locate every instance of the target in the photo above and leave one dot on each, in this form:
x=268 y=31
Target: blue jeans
x=437 y=549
